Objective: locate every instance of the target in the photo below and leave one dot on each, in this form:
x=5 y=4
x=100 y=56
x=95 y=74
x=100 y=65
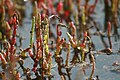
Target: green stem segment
x=32 y=32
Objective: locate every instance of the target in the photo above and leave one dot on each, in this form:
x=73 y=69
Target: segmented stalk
x=32 y=32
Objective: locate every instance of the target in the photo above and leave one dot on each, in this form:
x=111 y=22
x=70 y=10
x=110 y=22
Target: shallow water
x=103 y=62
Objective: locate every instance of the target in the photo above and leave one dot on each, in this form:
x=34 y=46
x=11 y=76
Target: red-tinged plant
x=86 y=44
x=83 y=45
x=73 y=30
x=17 y=75
x=8 y=30
x=10 y=6
x=109 y=31
x=108 y=50
x=59 y=8
x=4 y=62
x=39 y=2
x=9 y=56
x=14 y=6
x=73 y=43
x=5 y=28
x=51 y=6
x=92 y=61
x=14 y=23
x=109 y=28
x=92 y=7
x=36 y=60
x=31 y=54
x=68 y=10
x=58 y=47
x=59 y=33
x=66 y=14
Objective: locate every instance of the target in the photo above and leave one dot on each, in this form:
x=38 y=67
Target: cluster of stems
x=8 y=54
